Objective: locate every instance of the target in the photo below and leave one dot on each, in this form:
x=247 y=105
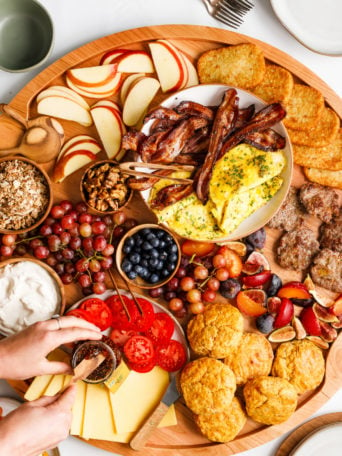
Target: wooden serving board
x=183 y=439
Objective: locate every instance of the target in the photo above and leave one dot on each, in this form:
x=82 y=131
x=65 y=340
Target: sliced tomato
x=121 y=336
x=171 y=356
x=145 y=319
x=143 y=367
x=100 y=312
x=161 y=329
x=79 y=313
x=139 y=350
x=120 y=318
x=198 y=248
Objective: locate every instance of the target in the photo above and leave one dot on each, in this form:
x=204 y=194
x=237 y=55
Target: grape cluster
x=196 y=282
x=79 y=246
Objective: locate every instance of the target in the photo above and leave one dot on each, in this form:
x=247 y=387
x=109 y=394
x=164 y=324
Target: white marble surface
x=80 y=21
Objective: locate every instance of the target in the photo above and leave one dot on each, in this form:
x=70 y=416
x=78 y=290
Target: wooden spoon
x=42 y=139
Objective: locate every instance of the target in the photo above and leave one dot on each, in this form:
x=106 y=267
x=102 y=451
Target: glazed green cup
x=26 y=35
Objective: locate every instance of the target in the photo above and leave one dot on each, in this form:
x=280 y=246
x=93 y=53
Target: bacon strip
x=268 y=140
x=170 y=195
x=224 y=123
x=191 y=108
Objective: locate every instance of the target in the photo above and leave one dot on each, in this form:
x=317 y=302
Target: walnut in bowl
x=104 y=188
x=25 y=195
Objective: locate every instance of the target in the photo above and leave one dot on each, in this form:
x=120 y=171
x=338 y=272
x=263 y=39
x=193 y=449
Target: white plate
x=211 y=95
x=314 y=23
x=326 y=439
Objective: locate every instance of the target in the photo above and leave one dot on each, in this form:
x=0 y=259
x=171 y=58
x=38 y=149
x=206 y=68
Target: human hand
x=23 y=355
x=37 y=425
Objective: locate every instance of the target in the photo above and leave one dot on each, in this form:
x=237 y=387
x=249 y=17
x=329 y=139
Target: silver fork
x=230 y=12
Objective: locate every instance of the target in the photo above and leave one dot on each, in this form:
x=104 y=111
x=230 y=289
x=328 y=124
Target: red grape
x=9 y=239
x=66 y=205
x=57 y=212
x=41 y=252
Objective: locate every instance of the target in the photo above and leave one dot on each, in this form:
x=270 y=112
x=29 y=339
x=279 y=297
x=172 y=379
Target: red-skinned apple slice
x=109 y=56
x=192 y=73
x=134 y=62
x=168 y=65
x=138 y=98
x=183 y=83
x=64 y=108
x=71 y=163
x=90 y=77
x=65 y=92
x=108 y=103
x=127 y=84
x=106 y=90
x=80 y=142
x=110 y=128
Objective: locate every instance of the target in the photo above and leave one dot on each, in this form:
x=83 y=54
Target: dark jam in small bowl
x=92 y=348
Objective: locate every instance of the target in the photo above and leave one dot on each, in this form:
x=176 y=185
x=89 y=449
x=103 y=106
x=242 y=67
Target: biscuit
x=222 y=426
x=321 y=134
x=324 y=177
x=304 y=107
x=253 y=357
x=242 y=65
x=270 y=400
x=207 y=385
x=215 y=331
x=301 y=363
x=276 y=85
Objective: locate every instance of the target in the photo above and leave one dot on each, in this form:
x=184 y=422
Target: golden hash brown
x=215 y=331
x=321 y=134
x=327 y=157
x=251 y=358
x=270 y=400
x=222 y=426
x=304 y=107
x=301 y=363
x=324 y=177
x=276 y=85
x=207 y=385
x=242 y=65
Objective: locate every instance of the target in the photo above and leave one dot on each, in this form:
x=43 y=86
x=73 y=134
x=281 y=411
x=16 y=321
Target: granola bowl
x=25 y=195
x=104 y=188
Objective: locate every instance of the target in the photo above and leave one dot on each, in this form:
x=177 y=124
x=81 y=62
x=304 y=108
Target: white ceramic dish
x=327 y=438
x=211 y=95
x=315 y=24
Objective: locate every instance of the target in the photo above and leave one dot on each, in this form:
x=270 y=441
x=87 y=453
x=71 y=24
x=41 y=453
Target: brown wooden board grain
x=183 y=439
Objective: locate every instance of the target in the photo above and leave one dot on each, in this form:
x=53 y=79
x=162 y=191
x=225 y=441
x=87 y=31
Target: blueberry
x=138 y=268
x=155 y=242
x=168 y=239
x=171 y=267
x=160 y=234
x=264 y=323
x=162 y=244
x=145 y=231
x=138 y=240
x=153 y=262
x=150 y=236
x=126 y=249
x=163 y=255
x=145 y=262
x=161 y=265
x=132 y=275
x=154 y=278
x=147 y=245
x=154 y=253
x=126 y=265
x=134 y=258
x=173 y=258
x=144 y=274
x=165 y=273
x=173 y=248
x=130 y=241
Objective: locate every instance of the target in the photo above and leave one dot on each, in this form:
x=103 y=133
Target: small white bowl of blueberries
x=148 y=256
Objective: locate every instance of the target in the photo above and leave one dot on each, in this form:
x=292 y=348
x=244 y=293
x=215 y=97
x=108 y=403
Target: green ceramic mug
x=26 y=35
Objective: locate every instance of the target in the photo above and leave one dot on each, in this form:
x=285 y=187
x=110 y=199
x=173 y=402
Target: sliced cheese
x=98 y=420
x=137 y=398
x=78 y=407
x=55 y=385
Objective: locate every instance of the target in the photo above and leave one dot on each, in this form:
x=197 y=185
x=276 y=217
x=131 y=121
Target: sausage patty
x=326 y=270
x=290 y=214
x=297 y=248
x=331 y=234
x=320 y=201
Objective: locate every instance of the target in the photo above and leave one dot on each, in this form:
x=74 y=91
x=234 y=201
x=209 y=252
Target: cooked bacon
x=191 y=108
x=150 y=145
x=263 y=119
x=199 y=142
x=170 y=195
x=224 y=122
x=245 y=115
x=132 y=140
x=162 y=125
x=145 y=183
x=173 y=143
x=190 y=159
x=268 y=140
x=163 y=113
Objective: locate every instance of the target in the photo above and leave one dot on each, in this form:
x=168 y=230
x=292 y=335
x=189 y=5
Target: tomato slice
x=121 y=336
x=80 y=313
x=145 y=319
x=119 y=317
x=143 y=367
x=100 y=312
x=139 y=350
x=161 y=329
x=171 y=356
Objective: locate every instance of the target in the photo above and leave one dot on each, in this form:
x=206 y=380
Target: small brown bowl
x=94 y=204
x=170 y=256
x=59 y=285
x=44 y=213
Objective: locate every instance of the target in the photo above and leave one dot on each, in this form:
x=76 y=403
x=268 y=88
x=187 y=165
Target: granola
x=24 y=195
x=105 y=188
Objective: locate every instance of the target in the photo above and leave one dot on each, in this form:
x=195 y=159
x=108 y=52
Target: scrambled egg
x=243 y=180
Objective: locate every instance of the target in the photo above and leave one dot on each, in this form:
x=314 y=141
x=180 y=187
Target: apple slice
x=169 y=66
x=63 y=91
x=109 y=103
x=134 y=62
x=80 y=142
x=108 y=89
x=110 y=128
x=64 y=108
x=192 y=72
x=90 y=77
x=109 y=56
x=179 y=54
x=71 y=163
x=138 y=98
x=127 y=83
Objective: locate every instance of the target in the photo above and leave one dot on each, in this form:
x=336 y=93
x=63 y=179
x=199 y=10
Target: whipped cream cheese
x=28 y=293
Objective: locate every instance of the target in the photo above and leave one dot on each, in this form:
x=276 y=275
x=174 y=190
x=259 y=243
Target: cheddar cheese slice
x=78 y=407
